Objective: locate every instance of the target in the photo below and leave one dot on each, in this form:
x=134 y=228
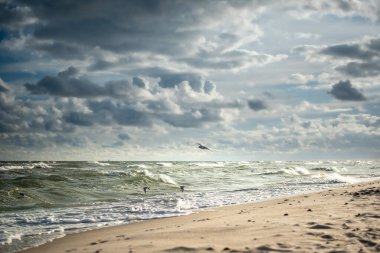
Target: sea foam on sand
x=345 y=219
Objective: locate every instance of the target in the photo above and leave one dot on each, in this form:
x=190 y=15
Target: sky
x=148 y=80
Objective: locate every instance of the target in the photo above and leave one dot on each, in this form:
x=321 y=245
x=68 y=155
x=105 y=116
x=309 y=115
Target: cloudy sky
x=147 y=80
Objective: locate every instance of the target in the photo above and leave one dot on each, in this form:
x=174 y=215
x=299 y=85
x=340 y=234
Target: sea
x=41 y=201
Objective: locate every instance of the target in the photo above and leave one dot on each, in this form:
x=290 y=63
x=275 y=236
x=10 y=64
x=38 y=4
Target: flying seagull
x=146 y=188
x=202 y=147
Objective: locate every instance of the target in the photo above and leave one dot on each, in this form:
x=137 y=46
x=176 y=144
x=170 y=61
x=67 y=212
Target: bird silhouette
x=202 y=147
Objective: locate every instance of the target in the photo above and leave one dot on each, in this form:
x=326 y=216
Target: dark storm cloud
x=193 y=118
x=349 y=51
x=72 y=141
x=182 y=31
x=68 y=84
x=139 y=82
x=268 y=94
x=19 y=116
x=116 y=144
x=80 y=119
x=100 y=64
x=343 y=90
x=125 y=114
x=3 y=86
x=196 y=82
x=359 y=69
x=61 y=50
x=123 y=136
x=364 y=56
x=132 y=117
x=209 y=87
x=107 y=112
x=374 y=44
x=257 y=104
x=121 y=26
x=13 y=16
x=171 y=80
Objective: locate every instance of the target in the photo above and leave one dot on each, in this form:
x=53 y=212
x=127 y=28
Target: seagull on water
x=202 y=147
x=146 y=188
x=182 y=187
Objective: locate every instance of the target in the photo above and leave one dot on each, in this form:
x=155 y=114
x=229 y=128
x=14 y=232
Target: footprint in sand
x=181 y=249
x=266 y=248
x=367 y=243
x=99 y=241
x=318 y=226
x=327 y=237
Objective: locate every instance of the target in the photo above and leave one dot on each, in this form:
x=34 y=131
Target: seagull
x=182 y=187
x=202 y=147
x=146 y=188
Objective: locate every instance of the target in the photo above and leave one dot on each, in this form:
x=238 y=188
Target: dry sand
x=339 y=220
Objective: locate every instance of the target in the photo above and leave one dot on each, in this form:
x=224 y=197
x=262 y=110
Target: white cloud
x=298 y=78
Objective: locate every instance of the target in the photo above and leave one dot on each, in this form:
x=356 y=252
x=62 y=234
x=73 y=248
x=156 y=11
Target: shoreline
x=337 y=219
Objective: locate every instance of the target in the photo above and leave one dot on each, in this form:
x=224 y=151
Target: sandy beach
x=344 y=219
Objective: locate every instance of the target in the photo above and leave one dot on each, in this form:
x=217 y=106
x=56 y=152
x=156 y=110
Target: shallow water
x=40 y=201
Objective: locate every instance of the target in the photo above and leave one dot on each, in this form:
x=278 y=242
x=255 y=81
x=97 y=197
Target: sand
x=345 y=219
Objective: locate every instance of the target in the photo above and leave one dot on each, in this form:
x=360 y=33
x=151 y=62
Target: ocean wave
x=100 y=163
x=14 y=167
x=330 y=168
x=296 y=171
x=245 y=189
x=322 y=169
x=41 y=165
x=163 y=164
x=160 y=177
x=208 y=164
x=138 y=177
x=138 y=166
x=23 y=166
x=331 y=178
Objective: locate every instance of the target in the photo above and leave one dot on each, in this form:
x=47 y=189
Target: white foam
x=336 y=178
x=14 y=167
x=7 y=238
x=184 y=204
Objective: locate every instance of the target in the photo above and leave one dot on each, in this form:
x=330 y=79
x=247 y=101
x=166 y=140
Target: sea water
x=41 y=201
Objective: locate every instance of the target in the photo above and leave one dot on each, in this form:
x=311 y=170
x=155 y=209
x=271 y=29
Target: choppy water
x=46 y=200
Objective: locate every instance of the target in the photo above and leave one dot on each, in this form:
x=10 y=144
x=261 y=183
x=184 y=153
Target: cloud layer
x=131 y=76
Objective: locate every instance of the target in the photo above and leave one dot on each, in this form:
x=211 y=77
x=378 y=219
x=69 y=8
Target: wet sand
x=344 y=219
